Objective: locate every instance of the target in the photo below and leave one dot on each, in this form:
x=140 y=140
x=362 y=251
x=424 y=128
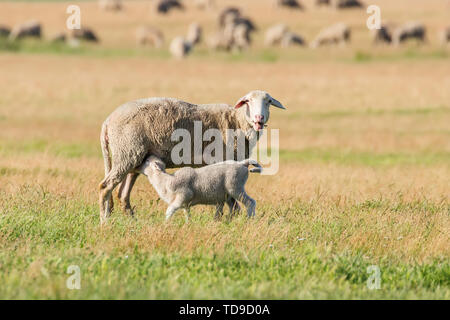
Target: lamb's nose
x=259 y=118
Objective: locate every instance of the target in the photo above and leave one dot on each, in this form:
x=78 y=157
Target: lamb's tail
x=258 y=168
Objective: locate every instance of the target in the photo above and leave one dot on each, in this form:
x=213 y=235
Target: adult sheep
x=290 y=4
x=180 y=47
x=31 y=28
x=4 y=31
x=110 y=5
x=336 y=34
x=164 y=6
x=147 y=35
x=144 y=127
x=194 y=35
x=410 y=30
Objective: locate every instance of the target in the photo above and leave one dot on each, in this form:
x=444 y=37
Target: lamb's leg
x=219 y=211
x=233 y=206
x=108 y=184
x=179 y=202
x=249 y=203
x=125 y=191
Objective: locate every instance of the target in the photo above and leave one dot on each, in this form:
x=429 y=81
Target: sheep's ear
x=276 y=103
x=241 y=102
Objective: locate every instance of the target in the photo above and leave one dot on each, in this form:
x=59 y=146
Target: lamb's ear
x=276 y=103
x=241 y=102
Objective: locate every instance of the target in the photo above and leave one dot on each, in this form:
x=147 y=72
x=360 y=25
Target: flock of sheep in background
x=234 y=29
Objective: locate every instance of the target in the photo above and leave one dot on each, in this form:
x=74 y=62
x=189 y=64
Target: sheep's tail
x=258 y=168
x=104 y=141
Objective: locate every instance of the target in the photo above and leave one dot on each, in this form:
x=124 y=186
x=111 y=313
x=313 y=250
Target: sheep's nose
x=259 y=118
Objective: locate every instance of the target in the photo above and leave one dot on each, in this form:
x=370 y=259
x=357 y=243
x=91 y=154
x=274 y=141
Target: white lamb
x=214 y=184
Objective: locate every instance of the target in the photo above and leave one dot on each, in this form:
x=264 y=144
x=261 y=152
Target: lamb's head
x=152 y=164
x=257 y=105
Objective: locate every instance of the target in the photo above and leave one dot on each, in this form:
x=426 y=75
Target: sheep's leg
x=171 y=210
x=219 y=211
x=249 y=203
x=107 y=162
x=187 y=212
x=106 y=187
x=125 y=191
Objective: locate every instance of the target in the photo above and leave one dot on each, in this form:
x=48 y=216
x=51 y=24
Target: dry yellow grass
x=365 y=145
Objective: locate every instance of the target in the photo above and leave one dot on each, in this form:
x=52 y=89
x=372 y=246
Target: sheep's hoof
x=129 y=211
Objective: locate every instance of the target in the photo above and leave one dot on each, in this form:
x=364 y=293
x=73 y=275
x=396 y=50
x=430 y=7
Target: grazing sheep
x=110 y=5
x=241 y=37
x=204 y=4
x=275 y=34
x=280 y=35
x=180 y=48
x=410 y=30
x=338 y=33
x=194 y=35
x=27 y=29
x=343 y=4
x=149 y=36
x=144 y=127
x=290 y=39
x=215 y=184
x=85 y=34
x=164 y=6
x=322 y=2
x=234 y=31
x=4 y=31
x=228 y=15
x=233 y=16
x=291 y=4
x=220 y=41
x=445 y=36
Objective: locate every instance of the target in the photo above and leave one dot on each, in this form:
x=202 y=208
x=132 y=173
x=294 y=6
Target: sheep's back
x=148 y=124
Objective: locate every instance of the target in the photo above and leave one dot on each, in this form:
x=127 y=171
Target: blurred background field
x=364 y=173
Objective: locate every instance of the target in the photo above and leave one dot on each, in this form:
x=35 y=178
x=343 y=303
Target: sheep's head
x=257 y=105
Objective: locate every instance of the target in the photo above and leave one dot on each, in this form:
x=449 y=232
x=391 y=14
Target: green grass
x=372 y=159
x=265 y=55
x=310 y=155
x=402 y=54
x=43 y=234
x=35 y=46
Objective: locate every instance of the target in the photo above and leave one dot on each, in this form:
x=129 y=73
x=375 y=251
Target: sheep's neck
x=242 y=122
x=160 y=181
x=251 y=135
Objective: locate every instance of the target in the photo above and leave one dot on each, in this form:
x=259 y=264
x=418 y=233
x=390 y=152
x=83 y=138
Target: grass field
x=364 y=173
